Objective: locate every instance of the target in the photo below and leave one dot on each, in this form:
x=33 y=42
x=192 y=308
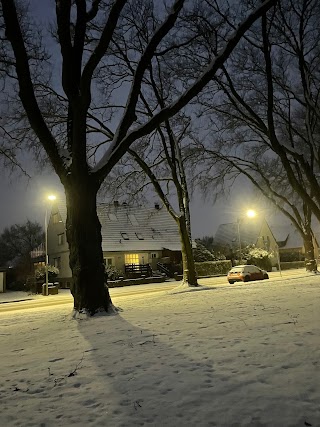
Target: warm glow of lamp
x=51 y=197
x=251 y=213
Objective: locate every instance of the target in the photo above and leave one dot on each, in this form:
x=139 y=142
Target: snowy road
x=64 y=296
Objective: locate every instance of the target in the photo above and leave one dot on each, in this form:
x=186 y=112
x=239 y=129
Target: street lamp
x=51 y=198
x=250 y=214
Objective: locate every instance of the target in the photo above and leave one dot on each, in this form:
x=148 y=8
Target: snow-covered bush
x=112 y=272
x=259 y=257
x=40 y=272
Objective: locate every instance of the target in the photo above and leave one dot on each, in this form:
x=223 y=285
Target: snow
x=240 y=355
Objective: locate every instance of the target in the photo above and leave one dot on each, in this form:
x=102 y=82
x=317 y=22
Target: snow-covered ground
x=244 y=355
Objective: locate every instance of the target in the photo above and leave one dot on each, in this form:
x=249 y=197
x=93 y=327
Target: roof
x=288 y=235
x=129 y=228
x=281 y=232
x=227 y=234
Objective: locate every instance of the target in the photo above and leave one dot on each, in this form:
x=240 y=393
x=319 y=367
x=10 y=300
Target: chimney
x=116 y=204
x=157 y=206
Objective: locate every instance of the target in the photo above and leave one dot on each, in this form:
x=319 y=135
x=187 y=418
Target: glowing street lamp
x=51 y=198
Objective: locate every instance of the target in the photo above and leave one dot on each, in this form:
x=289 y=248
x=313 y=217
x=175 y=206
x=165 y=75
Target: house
x=249 y=232
x=130 y=235
x=290 y=242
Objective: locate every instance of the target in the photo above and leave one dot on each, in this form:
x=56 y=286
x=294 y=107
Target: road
x=64 y=296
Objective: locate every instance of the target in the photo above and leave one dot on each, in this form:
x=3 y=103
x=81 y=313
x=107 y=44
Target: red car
x=246 y=273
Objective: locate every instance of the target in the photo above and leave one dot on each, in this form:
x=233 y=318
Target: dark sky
x=23 y=199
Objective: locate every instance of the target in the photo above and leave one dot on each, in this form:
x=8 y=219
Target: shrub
x=112 y=273
x=40 y=272
x=200 y=253
x=212 y=268
x=259 y=257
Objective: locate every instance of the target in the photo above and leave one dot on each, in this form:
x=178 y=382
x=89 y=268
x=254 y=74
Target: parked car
x=246 y=273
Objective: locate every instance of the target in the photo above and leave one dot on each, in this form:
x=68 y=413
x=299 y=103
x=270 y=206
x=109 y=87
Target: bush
x=16 y=286
x=212 y=268
x=201 y=254
x=112 y=273
x=40 y=272
x=294 y=264
x=259 y=257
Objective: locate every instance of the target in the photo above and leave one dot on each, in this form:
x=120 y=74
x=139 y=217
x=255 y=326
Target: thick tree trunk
x=89 y=290
x=310 y=261
x=189 y=271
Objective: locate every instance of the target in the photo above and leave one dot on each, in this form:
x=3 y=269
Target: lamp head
x=51 y=197
x=251 y=213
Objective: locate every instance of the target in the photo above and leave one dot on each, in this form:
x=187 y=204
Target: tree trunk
x=189 y=271
x=310 y=262
x=83 y=231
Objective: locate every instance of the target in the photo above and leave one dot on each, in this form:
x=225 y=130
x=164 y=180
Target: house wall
x=58 y=248
x=118 y=259
x=267 y=241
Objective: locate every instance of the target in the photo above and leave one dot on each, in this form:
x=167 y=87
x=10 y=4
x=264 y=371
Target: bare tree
x=264 y=105
x=65 y=116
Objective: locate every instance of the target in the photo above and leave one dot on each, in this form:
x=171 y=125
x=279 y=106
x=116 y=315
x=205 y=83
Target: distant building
x=291 y=242
x=130 y=235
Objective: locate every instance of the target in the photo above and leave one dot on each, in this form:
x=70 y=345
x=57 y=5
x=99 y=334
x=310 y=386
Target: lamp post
x=250 y=214
x=51 y=198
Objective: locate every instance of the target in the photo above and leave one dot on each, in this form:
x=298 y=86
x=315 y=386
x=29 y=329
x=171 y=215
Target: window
x=60 y=239
x=57 y=262
x=108 y=261
x=131 y=258
x=153 y=256
x=55 y=218
x=125 y=236
x=140 y=236
x=133 y=219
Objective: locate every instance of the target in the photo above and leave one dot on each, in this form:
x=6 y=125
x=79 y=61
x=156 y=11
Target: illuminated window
x=131 y=258
x=125 y=236
x=61 y=239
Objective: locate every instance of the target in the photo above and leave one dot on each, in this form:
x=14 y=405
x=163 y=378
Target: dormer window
x=125 y=236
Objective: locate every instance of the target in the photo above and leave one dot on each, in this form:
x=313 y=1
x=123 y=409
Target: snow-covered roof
x=281 y=232
x=129 y=228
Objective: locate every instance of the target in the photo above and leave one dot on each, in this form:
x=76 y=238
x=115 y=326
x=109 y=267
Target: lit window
x=140 y=236
x=133 y=219
x=125 y=236
x=61 y=239
x=131 y=258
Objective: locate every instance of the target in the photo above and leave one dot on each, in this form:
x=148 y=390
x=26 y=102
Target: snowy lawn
x=244 y=355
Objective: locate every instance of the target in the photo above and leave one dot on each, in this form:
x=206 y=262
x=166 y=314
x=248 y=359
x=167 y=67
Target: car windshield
x=237 y=270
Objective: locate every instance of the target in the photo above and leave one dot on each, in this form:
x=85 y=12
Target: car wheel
x=265 y=276
x=246 y=278
x=231 y=282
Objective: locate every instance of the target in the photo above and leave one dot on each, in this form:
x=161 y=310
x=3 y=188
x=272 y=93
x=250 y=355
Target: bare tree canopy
x=82 y=108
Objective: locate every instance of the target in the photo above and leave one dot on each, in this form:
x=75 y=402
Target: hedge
x=212 y=268
x=292 y=264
